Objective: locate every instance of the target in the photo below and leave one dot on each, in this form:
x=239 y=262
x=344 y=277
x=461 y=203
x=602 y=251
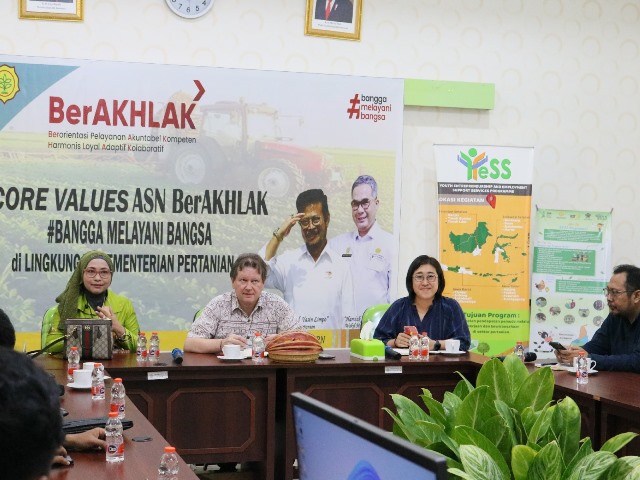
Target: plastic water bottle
x=117 y=398
x=169 y=465
x=154 y=346
x=74 y=362
x=115 y=439
x=582 y=370
x=97 y=382
x=518 y=351
x=257 y=348
x=414 y=347
x=141 y=348
x=424 y=347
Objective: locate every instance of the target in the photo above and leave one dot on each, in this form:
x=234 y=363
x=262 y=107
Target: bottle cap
x=74 y=348
x=154 y=333
x=170 y=449
x=258 y=334
x=118 y=380
x=113 y=414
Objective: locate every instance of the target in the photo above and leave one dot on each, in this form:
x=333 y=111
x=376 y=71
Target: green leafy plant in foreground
x=509 y=427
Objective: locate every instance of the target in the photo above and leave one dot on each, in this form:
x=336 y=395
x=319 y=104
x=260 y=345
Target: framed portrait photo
x=334 y=18
x=68 y=10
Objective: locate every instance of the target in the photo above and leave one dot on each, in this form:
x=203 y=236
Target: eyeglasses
x=614 y=293
x=315 y=221
x=429 y=277
x=91 y=273
x=364 y=203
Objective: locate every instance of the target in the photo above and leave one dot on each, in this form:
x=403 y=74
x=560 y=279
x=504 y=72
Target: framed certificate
x=68 y=10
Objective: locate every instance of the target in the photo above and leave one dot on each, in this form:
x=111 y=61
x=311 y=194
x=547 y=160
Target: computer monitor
x=333 y=444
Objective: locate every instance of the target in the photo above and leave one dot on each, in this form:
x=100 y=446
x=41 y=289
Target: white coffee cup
x=232 y=351
x=591 y=363
x=82 y=378
x=452 y=345
x=88 y=366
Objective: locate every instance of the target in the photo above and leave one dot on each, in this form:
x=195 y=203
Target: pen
x=548 y=363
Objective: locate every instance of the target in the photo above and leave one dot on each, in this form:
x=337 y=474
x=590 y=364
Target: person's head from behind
x=425 y=278
x=313 y=203
x=30 y=420
x=7 y=332
x=364 y=202
x=248 y=274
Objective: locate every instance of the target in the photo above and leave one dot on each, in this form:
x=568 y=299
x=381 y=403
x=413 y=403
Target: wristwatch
x=278 y=235
x=436 y=346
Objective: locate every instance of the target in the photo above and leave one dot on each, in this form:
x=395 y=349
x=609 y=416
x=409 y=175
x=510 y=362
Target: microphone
x=178 y=355
x=528 y=357
x=391 y=353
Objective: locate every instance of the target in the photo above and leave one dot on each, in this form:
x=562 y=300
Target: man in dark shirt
x=616 y=344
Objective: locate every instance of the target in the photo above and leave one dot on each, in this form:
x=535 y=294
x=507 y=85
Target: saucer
x=230 y=359
x=572 y=371
x=78 y=387
x=459 y=352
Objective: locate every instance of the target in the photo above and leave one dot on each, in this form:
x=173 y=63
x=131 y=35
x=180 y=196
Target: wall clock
x=190 y=8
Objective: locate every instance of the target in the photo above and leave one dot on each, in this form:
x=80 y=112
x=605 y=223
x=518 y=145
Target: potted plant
x=509 y=427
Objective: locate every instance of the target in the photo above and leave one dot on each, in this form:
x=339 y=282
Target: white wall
x=567 y=76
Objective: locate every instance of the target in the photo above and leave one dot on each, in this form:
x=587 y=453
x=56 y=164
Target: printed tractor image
x=237 y=141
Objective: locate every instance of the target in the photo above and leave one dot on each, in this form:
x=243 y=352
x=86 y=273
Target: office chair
x=47 y=319
x=374 y=314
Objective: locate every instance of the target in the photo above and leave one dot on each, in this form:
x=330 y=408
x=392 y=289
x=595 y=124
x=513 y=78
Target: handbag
x=92 y=337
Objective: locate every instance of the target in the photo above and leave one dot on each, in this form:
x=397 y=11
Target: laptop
x=333 y=444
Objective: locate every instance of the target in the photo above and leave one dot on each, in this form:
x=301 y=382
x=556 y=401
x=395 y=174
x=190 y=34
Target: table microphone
x=178 y=355
x=391 y=353
x=528 y=357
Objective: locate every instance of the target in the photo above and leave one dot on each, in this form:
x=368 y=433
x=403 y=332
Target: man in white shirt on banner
x=369 y=249
x=314 y=279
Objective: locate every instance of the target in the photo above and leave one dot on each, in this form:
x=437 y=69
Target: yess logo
x=479 y=166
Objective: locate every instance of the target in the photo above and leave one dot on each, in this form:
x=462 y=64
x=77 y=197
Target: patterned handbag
x=92 y=337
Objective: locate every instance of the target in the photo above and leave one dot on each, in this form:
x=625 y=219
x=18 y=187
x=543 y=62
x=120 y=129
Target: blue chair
x=374 y=314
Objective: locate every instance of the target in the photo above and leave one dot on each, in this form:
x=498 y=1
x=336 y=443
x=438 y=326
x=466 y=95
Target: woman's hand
x=106 y=313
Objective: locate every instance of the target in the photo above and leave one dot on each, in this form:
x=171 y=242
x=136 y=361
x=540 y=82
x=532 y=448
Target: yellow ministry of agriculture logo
x=9 y=83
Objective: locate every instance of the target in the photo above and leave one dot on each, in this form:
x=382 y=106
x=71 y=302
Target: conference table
x=217 y=411
x=143 y=443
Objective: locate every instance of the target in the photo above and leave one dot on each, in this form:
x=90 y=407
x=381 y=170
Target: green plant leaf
x=477 y=408
x=536 y=390
x=541 y=426
x=436 y=410
x=592 y=466
x=508 y=414
x=460 y=473
x=444 y=450
x=616 y=443
x=493 y=374
x=463 y=388
x=624 y=468
x=547 y=464
x=428 y=433
x=468 y=436
x=566 y=427
x=521 y=459
x=451 y=404
x=416 y=431
x=498 y=432
x=517 y=374
x=479 y=465
x=584 y=451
